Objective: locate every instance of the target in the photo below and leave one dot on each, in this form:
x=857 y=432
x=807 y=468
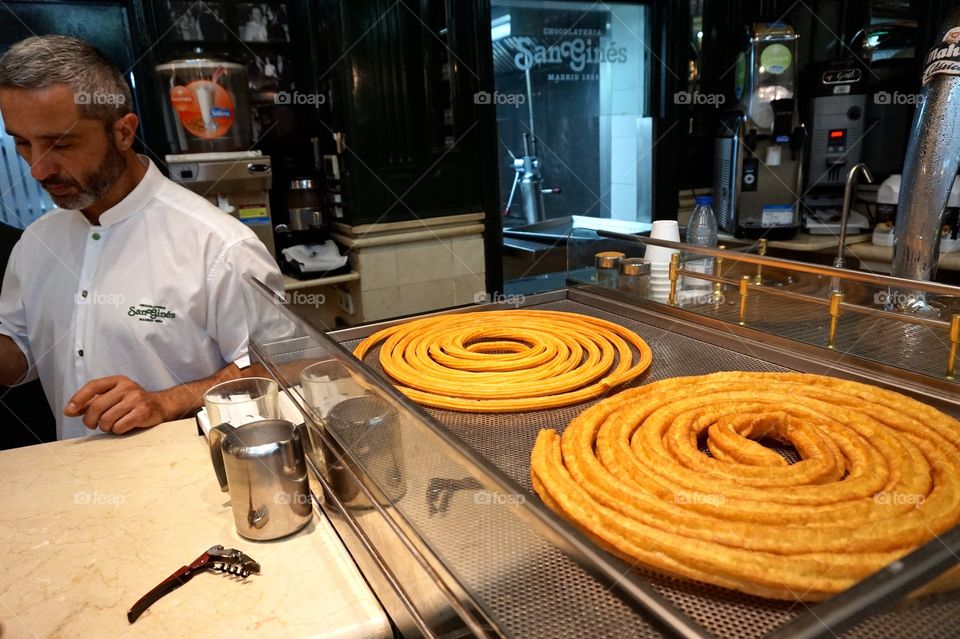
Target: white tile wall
x=623 y=201
x=623 y=126
x=425 y=296
x=380 y=304
x=624 y=166
x=467 y=288
x=467 y=255
x=378 y=264
x=416 y=277
x=623 y=169
x=423 y=261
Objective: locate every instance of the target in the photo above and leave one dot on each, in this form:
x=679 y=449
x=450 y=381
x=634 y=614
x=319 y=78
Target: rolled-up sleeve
x=229 y=321
x=13 y=314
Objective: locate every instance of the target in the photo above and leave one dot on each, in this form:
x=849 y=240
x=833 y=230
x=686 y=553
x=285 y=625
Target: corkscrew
x=218 y=558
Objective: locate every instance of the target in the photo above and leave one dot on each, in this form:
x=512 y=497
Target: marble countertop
x=88 y=526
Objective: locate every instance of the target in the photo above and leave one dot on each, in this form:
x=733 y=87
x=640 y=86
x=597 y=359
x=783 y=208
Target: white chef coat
x=154 y=292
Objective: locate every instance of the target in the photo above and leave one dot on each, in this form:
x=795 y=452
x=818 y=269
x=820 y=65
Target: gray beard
x=95 y=184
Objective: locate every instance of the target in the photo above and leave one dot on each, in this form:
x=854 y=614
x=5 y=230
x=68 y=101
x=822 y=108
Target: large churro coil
x=879 y=475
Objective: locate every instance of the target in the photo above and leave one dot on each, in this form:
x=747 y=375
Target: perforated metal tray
x=526 y=606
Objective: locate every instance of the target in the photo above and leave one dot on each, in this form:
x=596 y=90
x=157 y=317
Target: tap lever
x=761 y=251
x=848 y=190
x=228 y=560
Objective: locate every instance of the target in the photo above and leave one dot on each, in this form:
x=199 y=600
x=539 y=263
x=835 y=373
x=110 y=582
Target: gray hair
x=99 y=89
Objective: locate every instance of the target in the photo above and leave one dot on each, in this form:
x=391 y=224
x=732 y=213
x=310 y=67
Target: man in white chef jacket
x=126 y=300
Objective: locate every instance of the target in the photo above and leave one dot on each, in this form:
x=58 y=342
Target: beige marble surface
x=88 y=526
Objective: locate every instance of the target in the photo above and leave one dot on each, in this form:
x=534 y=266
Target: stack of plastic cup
x=659 y=258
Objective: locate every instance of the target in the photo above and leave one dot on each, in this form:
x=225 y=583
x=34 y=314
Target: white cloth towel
x=316 y=257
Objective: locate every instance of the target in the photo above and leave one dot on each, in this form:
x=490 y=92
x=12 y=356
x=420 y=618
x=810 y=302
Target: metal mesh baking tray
x=523 y=600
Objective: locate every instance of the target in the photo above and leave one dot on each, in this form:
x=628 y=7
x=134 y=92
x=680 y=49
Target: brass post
x=761 y=251
x=674 y=265
x=744 y=288
x=718 y=271
x=836 y=299
x=954 y=340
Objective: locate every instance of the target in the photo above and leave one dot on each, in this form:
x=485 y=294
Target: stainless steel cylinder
x=365 y=435
x=267 y=477
x=931 y=163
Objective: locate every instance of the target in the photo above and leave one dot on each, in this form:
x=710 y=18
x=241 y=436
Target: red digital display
x=836 y=134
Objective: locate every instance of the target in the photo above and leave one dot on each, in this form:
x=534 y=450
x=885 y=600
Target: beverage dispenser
x=205 y=105
x=209 y=132
x=758 y=152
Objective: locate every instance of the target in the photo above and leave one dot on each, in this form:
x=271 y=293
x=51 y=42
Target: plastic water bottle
x=701 y=231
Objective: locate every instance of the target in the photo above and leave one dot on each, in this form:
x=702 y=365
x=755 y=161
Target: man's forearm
x=13 y=363
x=181 y=401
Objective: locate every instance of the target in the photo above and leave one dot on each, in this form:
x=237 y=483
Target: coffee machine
x=758 y=152
x=835 y=112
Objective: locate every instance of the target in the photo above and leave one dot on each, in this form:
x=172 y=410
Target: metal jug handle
x=292 y=456
x=215 y=439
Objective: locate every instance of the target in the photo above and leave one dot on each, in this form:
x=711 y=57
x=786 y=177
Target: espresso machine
x=836 y=106
x=758 y=152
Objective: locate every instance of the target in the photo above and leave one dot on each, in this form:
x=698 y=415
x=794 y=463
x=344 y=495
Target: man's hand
x=117 y=404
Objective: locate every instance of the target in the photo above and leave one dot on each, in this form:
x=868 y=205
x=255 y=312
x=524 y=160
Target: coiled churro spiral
x=501 y=361
x=879 y=475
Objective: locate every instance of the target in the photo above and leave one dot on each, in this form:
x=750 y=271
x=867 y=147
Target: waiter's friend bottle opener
x=217 y=558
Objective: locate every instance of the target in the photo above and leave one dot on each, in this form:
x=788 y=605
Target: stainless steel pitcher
x=262 y=465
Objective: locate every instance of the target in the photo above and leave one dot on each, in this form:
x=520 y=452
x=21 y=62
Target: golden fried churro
x=879 y=474
x=501 y=361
